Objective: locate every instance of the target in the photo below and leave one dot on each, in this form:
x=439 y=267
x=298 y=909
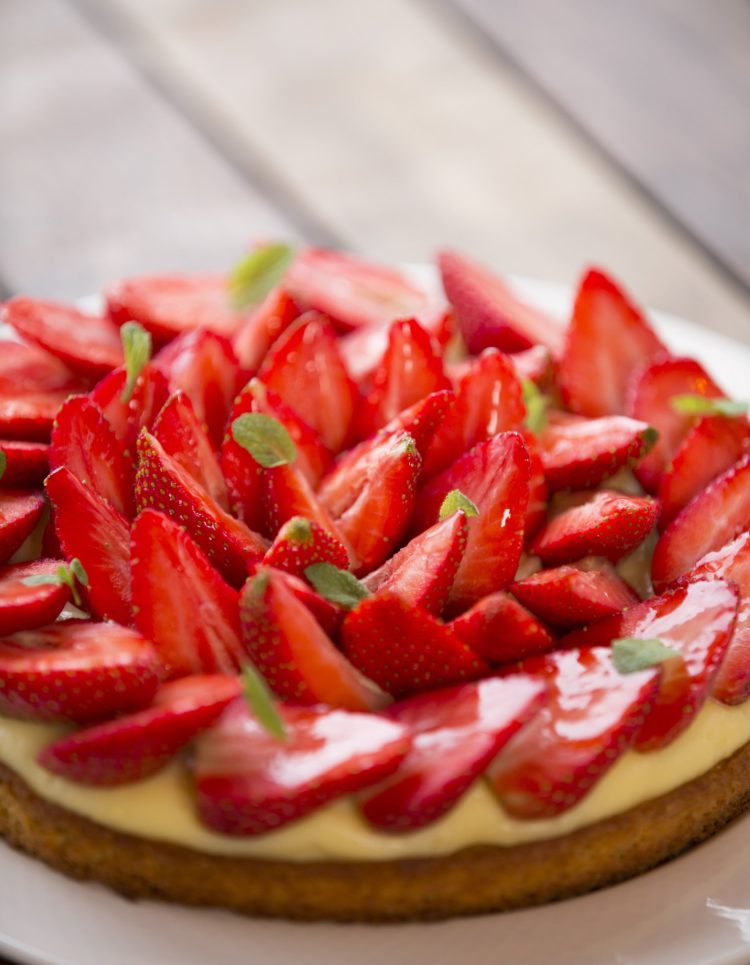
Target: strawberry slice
x=422 y=573
x=24 y=607
x=716 y=515
x=534 y=364
x=83 y=441
x=20 y=511
x=608 y=524
x=301 y=542
x=420 y=420
x=500 y=630
x=306 y=369
x=127 y=418
x=257 y=334
x=288 y=646
x=328 y=614
x=86 y=344
x=76 y=671
x=92 y=530
x=580 y=453
x=591 y=717
x=286 y=493
x=494 y=475
x=456 y=733
x=405 y=650
x=536 y=512
x=183 y=438
x=26 y=463
x=134 y=747
x=29 y=369
x=30 y=416
x=607 y=340
x=168 y=305
x=650 y=397
x=162 y=483
x=488 y=313
x=180 y=601
x=571 y=596
x=249 y=782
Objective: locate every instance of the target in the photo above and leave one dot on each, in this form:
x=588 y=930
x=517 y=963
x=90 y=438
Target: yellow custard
x=162 y=807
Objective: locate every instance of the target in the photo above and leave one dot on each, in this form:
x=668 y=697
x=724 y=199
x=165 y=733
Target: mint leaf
x=136 y=347
x=265 y=438
x=701 y=405
x=62 y=576
x=536 y=406
x=261 y=702
x=3 y=463
x=454 y=501
x=259 y=271
x=338 y=586
x=630 y=654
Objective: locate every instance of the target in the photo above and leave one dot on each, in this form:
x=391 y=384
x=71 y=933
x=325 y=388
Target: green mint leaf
x=265 y=438
x=136 y=348
x=3 y=463
x=338 y=586
x=261 y=702
x=630 y=654
x=63 y=576
x=454 y=501
x=76 y=568
x=701 y=405
x=258 y=272
x=536 y=406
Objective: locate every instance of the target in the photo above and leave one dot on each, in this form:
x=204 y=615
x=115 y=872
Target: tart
x=363 y=601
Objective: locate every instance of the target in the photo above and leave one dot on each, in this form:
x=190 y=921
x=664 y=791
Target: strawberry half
x=30 y=416
x=29 y=369
x=456 y=733
x=500 y=630
x=127 y=418
x=257 y=334
x=20 y=511
x=286 y=493
x=300 y=543
x=26 y=463
x=607 y=340
x=25 y=607
x=328 y=614
x=180 y=602
x=134 y=747
x=76 y=671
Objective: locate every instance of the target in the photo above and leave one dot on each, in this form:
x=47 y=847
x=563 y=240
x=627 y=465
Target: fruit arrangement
x=316 y=531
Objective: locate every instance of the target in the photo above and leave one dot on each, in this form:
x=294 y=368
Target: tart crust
x=472 y=881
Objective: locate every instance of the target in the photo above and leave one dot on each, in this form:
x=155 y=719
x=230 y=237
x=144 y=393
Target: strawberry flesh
x=25 y=607
x=500 y=630
x=257 y=333
x=20 y=511
x=127 y=418
x=26 y=463
x=300 y=543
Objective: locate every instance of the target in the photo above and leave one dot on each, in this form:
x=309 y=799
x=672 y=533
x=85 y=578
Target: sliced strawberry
x=405 y=650
x=420 y=420
x=26 y=463
x=134 y=747
x=536 y=512
x=716 y=515
x=20 y=511
x=500 y=630
x=241 y=472
x=161 y=483
x=86 y=344
x=534 y=364
x=580 y=453
x=286 y=493
x=456 y=734
x=30 y=416
x=607 y=340
x=488 y=313
x=608 y=524
x=25 y=607
x=83 y=441
x=591 y=717
x=168 y=305
x=329 y=615
x=422 y=573
x=29 y=369
x=571 y=596
x=127 y=418
x=180 y=601
x=183 y=438
x=92 y=530
x=257 y=334
x=650 y=397
x=76 y=671
x=495 y=477
x=249 y=782
x=306 y=369
x=301 y=542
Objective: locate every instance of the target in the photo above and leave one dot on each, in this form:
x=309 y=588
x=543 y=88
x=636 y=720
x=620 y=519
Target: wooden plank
x=403 y=135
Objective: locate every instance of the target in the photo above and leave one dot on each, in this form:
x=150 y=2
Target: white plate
x=692 y=911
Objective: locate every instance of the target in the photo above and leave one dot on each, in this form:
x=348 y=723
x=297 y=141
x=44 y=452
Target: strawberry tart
x=328 y=595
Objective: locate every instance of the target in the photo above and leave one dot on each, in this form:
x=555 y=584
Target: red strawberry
x=76 y=671
x=92 y=530
x=716 y=515
x=403 y=649
x=86 y=344
x=29 y=369
x=26 y=463
x=180 y=601
x=20 y=511
x=127 y=418
x=83 y=441
x=650 y=397
x=607 y=340
x=30 y=416
x=422 y=573
x=300 y=543
x=494 y=475
x=134 y=747
x=329 y=615
x=249 y=782
x=456 y=733
x=168 y=305
x=570 y=596
x=420 y=420
x=488 y=313
x=608 y=524
x=580 y=453
x=534 y=364
x=500 y=630
x=288 y=646
x=257 y=334
x=536 y=512
x=24 y=607
x=591 y=717
x=286 y=493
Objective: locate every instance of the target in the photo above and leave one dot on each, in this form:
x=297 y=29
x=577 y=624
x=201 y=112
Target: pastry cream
x=161 y=808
